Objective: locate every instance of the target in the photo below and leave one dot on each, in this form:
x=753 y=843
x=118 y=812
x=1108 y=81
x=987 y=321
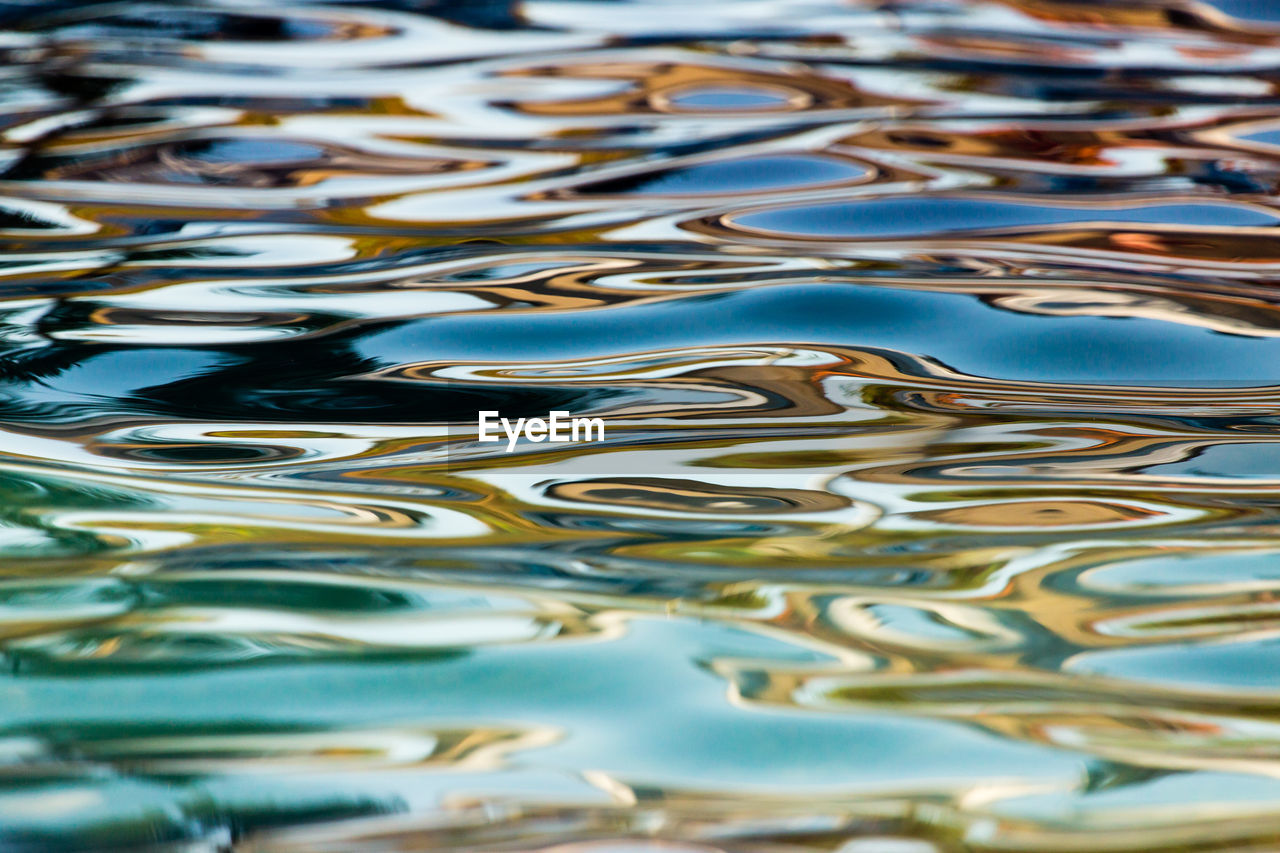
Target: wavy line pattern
x=938 y=344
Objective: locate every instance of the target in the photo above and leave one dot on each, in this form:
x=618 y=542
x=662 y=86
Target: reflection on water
x=939 y=348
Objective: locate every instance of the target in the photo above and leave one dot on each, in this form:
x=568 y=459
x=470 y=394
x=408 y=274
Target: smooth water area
x=938 y=346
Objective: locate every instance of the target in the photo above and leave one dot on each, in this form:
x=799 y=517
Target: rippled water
x=938 y=344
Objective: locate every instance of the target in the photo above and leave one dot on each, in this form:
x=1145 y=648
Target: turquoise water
x=938 y=349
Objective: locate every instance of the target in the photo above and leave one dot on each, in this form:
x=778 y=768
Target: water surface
x=938 y=345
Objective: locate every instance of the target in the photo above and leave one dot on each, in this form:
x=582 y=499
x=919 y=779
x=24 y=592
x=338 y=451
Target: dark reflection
x=199 y=454
x=489 y=14
x=302 y=381
x=185 y=23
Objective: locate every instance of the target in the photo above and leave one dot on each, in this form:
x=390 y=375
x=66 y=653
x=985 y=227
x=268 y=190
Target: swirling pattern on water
x=939 y=345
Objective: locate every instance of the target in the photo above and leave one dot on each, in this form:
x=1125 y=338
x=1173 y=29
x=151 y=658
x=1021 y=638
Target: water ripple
x=936 y=346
